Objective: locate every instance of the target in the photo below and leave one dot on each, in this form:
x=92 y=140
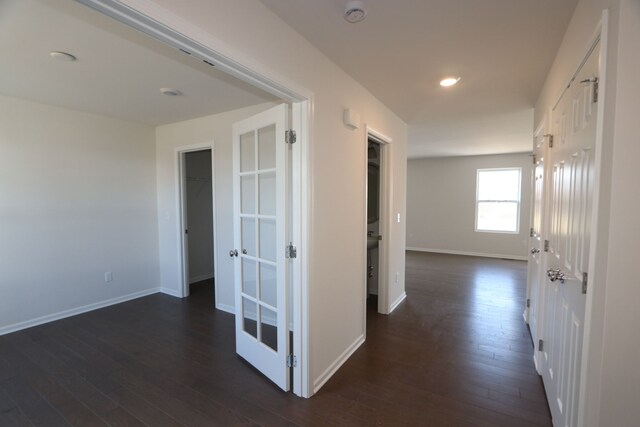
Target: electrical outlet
x=108 y=277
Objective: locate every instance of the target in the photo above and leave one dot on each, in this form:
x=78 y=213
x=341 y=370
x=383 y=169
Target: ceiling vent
x=355 y=11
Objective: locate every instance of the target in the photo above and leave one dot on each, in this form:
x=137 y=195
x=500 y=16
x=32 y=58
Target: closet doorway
x=198 y=225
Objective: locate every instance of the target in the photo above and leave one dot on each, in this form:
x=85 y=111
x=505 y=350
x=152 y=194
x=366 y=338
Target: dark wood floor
x=455 y=353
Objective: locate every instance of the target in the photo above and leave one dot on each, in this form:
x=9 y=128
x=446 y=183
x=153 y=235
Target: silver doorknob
x=535 y=251
x=233 y=252
x=244 y=251
x=555 y=275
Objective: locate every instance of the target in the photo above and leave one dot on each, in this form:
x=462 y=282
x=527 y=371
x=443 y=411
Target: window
x=498 y=200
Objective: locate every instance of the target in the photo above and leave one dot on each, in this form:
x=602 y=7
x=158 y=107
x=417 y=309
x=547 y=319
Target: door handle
x=375 y=236
x=244 y=252
x=535 y=250
x=233 y=252
x=555 y=275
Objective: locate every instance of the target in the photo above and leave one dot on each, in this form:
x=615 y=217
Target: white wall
x=77 y=199
x=441 y=206
x=199 y=214
x=621 y=341
x=267 y=45
x=171 y=138
x=611 y=375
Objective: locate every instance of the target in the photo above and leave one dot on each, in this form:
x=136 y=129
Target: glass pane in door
x=267 y=147
x=249 y=277
x=247 y=152
x=268 y=239
x=267 y=189
x=268 y=291
x=268 y=328
x=248 y=232
x=248 y=194
x=250 y=317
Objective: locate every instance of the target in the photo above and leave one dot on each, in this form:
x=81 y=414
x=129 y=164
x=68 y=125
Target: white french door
x=571 y=176
x=260 y=183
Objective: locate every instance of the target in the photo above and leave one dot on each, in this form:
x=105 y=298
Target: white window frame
x=518 y=201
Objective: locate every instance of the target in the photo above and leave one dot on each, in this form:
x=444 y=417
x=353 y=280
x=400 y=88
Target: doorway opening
x=174 y=265
x=373 y=223
x=198 y=225
x=377 y=208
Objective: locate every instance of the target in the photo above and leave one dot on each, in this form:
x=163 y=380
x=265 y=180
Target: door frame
x=162 y=25
x=182 y=214
x=385 y=219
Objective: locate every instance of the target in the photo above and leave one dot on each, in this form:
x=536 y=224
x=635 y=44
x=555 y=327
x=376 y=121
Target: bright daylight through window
x=498 y=200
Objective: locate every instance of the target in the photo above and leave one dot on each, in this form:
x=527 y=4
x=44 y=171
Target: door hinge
x=596 y=87
x=540 y=345
x=528 y=302
x=291 y=251
x=290 y=136
x=585 y=278
x=546 y=246
x=550 y=138
x=535 y=160
x=292 y=361
x=531 y=232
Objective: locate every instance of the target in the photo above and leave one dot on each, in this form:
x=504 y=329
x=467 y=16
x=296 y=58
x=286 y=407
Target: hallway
x=456 y=352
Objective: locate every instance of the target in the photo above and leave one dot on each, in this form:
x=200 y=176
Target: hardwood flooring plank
x=118 y=417
x=14 y=417
x=34 y=406
x=28 y=365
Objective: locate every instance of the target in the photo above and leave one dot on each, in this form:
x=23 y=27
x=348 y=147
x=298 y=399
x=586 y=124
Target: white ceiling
x=118 y=73
x=502 y=49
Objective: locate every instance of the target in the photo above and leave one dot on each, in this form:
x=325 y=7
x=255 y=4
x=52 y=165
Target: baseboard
x=479 y=254
x=333 y=368
x=227 y=308
x=171 y=292
x=74 y=311
x=397 y=302
x=200 y=278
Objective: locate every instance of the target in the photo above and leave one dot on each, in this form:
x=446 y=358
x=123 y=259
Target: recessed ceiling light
x=355 y=11
x=449 y=81
x=63 y=56
x=170 y=92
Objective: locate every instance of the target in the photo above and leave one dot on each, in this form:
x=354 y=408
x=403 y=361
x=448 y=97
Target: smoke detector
x=355 y=11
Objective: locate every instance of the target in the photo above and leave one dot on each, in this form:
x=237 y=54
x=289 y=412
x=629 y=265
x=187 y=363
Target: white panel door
x=571 y=177
x=260 y=177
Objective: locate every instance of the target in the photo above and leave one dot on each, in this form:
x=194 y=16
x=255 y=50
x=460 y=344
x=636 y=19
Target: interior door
x=572 y=178
x=260 y=171
x=535 y=240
